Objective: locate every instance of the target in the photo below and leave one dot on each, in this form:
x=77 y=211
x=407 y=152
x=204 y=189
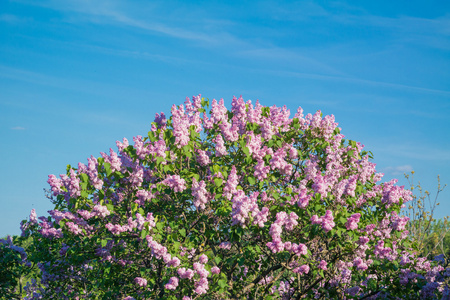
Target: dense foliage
x=240 y=204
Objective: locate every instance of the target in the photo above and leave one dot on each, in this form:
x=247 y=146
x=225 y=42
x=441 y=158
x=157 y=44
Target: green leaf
x=107 y=167
x=110 y=207
x=168 y=168
x=251 y=180
x=176 y=245
x=182 y=232
x=261 y=185
x=246 y=151
x=218 y=181
x=84 y=177
x=222 y=283
x=215 y=169
x=151 y=136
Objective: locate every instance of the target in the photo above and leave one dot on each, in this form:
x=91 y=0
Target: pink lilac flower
x=291 y=221
x=360 y=264
x=122 y=145
x=220 y=148
x=261 y=217
x=33 y=216
x=113 y=159
x=225 y=245
x=100 y=211
x=201 y=286
x=242 y=206
x=199 y=193
x=304 y=269
x=142 y=149
x=320 y=185
x=218 y=111
x=323 y=265
x=316 y=220
x=116 y=228
x=161 y=120
x=50 y=232
x=140 y=281
x=352 y=222
x=203 y=158
x=276 y=245
x=299 y=249
x=74 y=228
x=261 y=170
x=137 y=176
x=238 y=108
x=55 y=184
x=327 y=221
x=278 y=162
x=141 y=221
x=200 y=270
x=174 y=262
x=157 y=249
x=302 y=197
x=72 y=184
x=351 y=186
x=144 y=196
x=203 y=259
x=232 y=182
x=180 y=123
x=172 y=284
x=254 y=144
x=175 y=182
x=229 y=132
x=185 y=273
x=215 y=270
x=93 y=173
x=398 y=223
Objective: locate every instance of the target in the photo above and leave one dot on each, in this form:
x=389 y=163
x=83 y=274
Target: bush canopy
x=246 y=203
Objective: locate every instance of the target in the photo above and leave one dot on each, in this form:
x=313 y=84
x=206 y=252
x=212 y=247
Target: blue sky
x=75 y=76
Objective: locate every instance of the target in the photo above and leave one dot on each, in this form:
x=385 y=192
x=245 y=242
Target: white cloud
x=18 y=128
x=112 y=12
x=398 y=170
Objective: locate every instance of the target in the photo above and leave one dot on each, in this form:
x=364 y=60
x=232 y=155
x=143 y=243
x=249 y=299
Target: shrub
x=239 y=204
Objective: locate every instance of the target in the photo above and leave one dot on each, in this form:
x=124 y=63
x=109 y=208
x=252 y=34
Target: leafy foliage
x=240 y=204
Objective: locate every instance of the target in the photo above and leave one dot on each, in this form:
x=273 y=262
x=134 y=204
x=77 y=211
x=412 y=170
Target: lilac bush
x=246 y=203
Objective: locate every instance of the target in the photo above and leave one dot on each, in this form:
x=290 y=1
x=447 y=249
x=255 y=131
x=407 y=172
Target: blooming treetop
x=216 y=204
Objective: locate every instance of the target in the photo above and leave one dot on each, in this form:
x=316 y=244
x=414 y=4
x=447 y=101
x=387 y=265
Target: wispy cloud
x=18 y=128
x=295 y=58
x=110 y=12
x=12 y=19
x=418 y=152
x=357 y=80
x=397 y=170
